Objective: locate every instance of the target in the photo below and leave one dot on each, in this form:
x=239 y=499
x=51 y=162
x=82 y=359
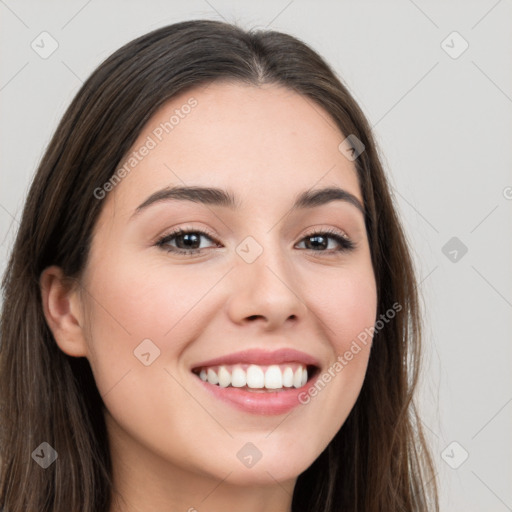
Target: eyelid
x=347 y=244
x=331 y=231
x=340 y=236
x=172 y=233
x=186 y=228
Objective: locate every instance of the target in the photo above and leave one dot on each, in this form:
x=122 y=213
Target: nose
x=265 y=291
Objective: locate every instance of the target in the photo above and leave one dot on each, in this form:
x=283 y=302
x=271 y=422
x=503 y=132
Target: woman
x=210 y=304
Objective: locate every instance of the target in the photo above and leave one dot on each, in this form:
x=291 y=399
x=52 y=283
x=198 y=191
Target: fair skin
x=174 y=446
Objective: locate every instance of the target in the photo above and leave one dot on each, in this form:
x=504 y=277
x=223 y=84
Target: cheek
x=352 y=313
x=345 y=303
x=133 y=301
x=130 y=303
x=346 y=308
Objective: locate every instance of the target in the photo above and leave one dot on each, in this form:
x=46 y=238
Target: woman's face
x=267 y=285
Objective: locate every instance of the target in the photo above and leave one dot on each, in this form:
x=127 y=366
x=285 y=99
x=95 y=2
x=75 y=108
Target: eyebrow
x=226 y=198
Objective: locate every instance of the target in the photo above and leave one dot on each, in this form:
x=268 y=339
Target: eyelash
x=345 y=243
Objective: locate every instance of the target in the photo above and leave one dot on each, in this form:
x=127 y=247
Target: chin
x=267 y=462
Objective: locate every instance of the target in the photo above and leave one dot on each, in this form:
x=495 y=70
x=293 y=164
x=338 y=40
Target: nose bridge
x=262 y=258
x=264 y=283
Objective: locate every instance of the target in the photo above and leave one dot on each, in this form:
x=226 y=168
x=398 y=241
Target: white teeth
x=224 y=377
x=297 y=378
x=304 y=377
x=288 y=377
x=273 y=377
x=212 y=377
x=238 y=378
x=255 y=377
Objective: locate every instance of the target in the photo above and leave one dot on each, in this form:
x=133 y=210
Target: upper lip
x=262 y=357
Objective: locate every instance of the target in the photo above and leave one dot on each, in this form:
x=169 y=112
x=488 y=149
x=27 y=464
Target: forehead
x=266 y=143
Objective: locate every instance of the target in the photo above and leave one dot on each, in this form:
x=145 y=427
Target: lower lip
x=265 y=403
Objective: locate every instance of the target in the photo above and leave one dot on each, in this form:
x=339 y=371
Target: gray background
x=444 y=126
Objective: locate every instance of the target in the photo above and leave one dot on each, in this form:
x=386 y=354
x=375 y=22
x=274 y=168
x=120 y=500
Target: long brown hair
x=378 y=461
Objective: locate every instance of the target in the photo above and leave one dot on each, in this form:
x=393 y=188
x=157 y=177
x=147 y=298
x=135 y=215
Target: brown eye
x=320 y=242
x=184 y=241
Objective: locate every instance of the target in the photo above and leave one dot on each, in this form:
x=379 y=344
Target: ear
x=63 y=311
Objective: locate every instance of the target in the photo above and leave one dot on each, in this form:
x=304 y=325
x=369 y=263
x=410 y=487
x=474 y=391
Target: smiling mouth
x=258 y=378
